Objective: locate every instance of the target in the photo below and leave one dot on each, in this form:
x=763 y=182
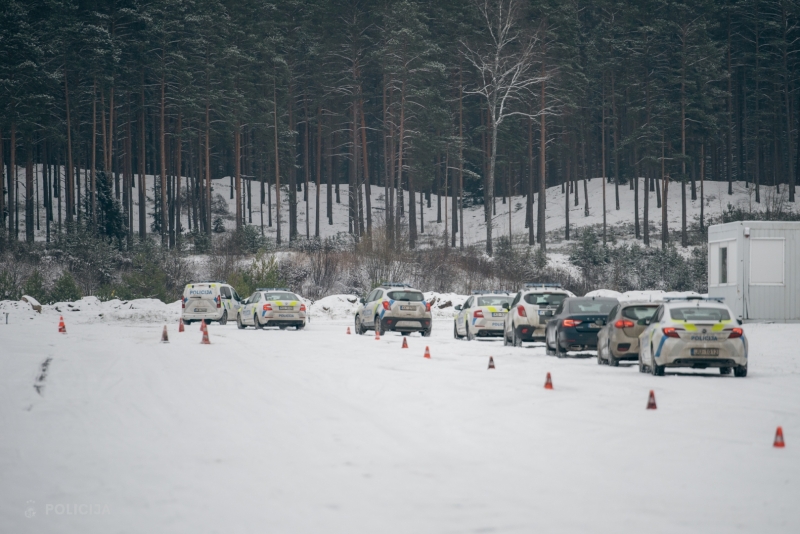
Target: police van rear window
x=493 y=301
x=409 y=296
x=694 y=315
x=545 y=299
x=280 y=296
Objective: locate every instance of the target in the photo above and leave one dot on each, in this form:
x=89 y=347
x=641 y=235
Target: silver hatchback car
x=619 y=338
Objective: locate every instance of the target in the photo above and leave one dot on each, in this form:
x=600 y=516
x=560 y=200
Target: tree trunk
x=163 y=155
x=29 y=218
x=277 y=163
x=319 y=171
x=540 y=226
x=237 y=172
x=664 y=182
x=365 y=154
x=93 y=175
x=603 y=157
x=142 y=171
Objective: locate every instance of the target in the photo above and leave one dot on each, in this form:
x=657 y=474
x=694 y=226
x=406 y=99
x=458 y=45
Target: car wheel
x=427 y=333
x=470 y=335
x=561 y=352
x=256 y=324
x=641 y=365
x=455 y=331
x=740 y=371
x=379 y=326
x=224 y=319
x=612 y=361
x=515 y=339
x=547 y=349
x=300 y=326
x=239 y=322
x=359 y=327
x=724 y=370
x=187 y=322
x=657 y=370
x=405 y=333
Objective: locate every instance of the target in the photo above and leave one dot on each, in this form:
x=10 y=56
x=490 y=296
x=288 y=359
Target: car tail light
x=736 y=332
x=569 y=323
x=478 y=314
x=183 y=304
x=219 y=301
x=427 y=306
x=302 y=307
x=521 y=311
x=386 y=305
x=623 y=323
x=670 y=332
x=267 y=307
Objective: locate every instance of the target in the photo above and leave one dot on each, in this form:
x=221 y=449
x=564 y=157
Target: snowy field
x=104 y=430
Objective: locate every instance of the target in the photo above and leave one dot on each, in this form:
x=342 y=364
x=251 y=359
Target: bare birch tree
x=505 y=65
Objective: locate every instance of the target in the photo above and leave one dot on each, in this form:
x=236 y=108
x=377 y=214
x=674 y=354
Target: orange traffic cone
x=180 y=325
x=348 y=330
x=427 y=353
x=164 y=336
x=651 y=401
x=779 y=443
x=202 y=325
x=377 y=335
x=548 y=384
x=205 y=340
x=405 y=343
x=491 y=362
x=62 y=328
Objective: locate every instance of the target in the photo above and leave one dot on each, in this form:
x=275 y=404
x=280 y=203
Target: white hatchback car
x=272 y=306
x=694 y=332
x=530 y=311
x=394 y=307
x=482 y=315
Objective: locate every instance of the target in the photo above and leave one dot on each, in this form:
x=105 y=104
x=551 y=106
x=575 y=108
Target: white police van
x=209 y=301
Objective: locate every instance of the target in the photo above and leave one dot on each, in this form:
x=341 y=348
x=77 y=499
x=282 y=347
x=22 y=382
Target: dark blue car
x=575 y=324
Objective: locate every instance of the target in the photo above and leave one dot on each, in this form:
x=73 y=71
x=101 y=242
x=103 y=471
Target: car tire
x=724 y=370
x=657 y=370
x=239 y=324
x=379 y=326
x=516 y=341
x=641 y=365
x=547 y=350
x=405 y=333
x=426 y=333
x=612 y=361
x=256 y=324
x=455 y=331
x=224 y=319
x=359 y=327
x=470 y=335
x=740 y=371
x=300 y=326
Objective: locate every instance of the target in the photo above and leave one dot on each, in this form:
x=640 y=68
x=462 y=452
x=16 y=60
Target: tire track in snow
x=39 y=384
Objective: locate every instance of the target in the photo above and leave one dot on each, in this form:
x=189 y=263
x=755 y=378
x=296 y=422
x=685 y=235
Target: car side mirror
x=457 y=307
x=642 y=322
x=362 y=300
x=740 y=322
x=506 y=306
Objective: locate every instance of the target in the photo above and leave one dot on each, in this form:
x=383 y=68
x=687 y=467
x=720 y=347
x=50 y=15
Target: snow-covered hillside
x=716 y=200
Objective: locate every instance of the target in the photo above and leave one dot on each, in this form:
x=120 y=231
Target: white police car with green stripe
x=696 y=332
x=272 y=306
x=482 y=315
x=394 y=307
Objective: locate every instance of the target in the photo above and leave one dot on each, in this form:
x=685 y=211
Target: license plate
x=408 y=308
x=594 y=325
x=497 y=325
x=545 y=312
x=705 y=352
x=498 y=314
x=200 y=310
x=285 y=307
x=285 y=316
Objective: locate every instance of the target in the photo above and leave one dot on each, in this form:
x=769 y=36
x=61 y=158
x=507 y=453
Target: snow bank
x=604 y=293
x=655 y=295
x=334 y=307
x=442 y=304
x=93 y=310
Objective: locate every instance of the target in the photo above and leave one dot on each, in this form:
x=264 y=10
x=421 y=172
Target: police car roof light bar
x=546 y=284
x=491 y=292
x=694 y=297
x=209 y=282
x=273 y=289
x=394 y=284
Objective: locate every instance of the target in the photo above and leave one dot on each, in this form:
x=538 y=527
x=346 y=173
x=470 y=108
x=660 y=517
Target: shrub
x=65 y=289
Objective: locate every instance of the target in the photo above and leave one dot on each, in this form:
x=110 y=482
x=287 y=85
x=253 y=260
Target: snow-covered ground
x=716 y=200
x=103 y=430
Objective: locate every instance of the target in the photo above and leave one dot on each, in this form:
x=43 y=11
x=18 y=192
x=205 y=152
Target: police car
x=482 y=315
x=272 y=306
x=530 y=311
x=696 y=332
x=394 y=307
x=209 y=301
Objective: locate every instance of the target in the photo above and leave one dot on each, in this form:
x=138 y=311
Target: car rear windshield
x=280 y=296
x=695 y=315
x=545 y=299
x=493 y=301
x=639 y=312
x=411 y=296
x=592 y=306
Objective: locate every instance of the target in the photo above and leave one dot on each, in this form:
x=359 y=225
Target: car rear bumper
x=527 y=332
x=284 y=322
x=572 y=339
x=216 y=315
x=405 y=324
x=677 y=353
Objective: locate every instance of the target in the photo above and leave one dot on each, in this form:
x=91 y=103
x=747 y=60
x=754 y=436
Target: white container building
x=755 y=267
